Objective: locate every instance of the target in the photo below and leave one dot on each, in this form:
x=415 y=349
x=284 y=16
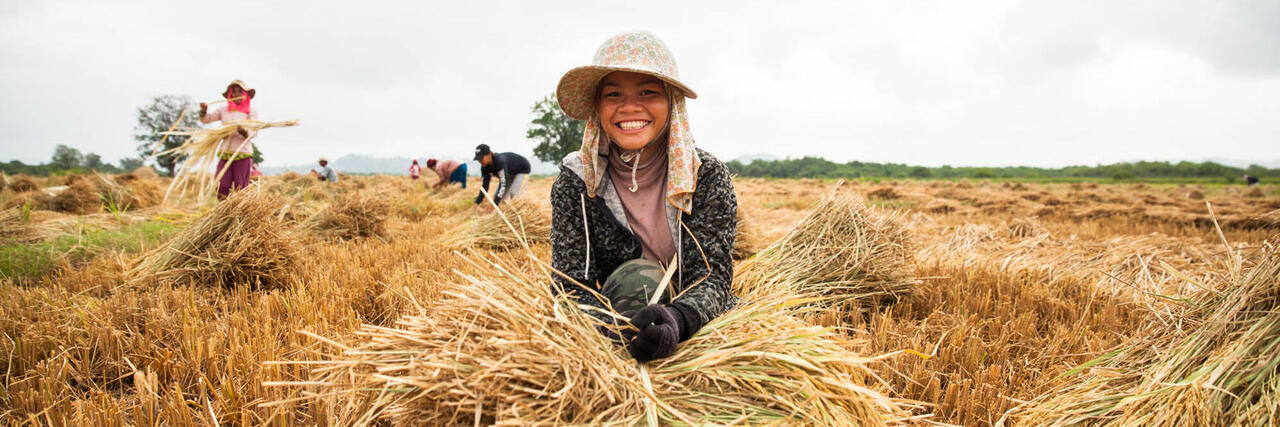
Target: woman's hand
x=659 y=328
x=204 y=109
x=243 y=133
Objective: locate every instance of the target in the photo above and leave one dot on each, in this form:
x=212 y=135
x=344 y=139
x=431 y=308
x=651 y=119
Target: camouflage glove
x=660 y=330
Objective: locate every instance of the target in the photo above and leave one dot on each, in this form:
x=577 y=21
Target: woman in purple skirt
x=235 y=154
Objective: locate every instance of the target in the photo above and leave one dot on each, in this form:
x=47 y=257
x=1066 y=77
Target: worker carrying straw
x=638 y=196
x=235 y=153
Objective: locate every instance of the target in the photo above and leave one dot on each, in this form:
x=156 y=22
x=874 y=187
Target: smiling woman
x=639 y=203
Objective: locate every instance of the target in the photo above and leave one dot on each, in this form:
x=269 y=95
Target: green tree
x=257 y=155
x=65 y=157
x=128 y=164
x=159 y=116
x=93 y=161
x=555 y=132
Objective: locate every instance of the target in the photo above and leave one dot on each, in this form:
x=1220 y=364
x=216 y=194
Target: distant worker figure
x=235 y=153
x=414 y=170
x=326 y=173
x=449 y=171
x=511 y=169
x=255 y=174
x=1251 y=181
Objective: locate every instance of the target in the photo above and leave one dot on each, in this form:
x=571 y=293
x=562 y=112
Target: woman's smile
x=633 y=108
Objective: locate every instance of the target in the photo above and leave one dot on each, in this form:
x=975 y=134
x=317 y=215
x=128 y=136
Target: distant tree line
x=70 y=160
x=817 y=167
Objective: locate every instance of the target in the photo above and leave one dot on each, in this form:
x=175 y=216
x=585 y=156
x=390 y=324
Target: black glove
x=659 y=330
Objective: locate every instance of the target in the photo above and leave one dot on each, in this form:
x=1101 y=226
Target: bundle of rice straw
x=746 y=240
x=532 y=219
x=22 y=184
x=15 y=225
x=34 y=200
x=840 y=251
x=145 y=172
x=355 y=215
x=244 y=240
x=884 y=193
x=509 y=350
x=80 y=197
x=1254 y=193
x=201 y=154
x=127 y=192
x=1217 y=366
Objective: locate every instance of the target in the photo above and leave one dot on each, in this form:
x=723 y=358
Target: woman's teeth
x=633 y=125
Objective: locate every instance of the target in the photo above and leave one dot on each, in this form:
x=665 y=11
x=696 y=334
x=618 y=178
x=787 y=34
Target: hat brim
x=252 y=92
x=576 y=92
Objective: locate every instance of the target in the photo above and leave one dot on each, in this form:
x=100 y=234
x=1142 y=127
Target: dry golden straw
x=506 y=349
x=353 y=216
x=1217 y=366
x=201 y=153
x=490 y=231
x=244 y=240
x=841 y=251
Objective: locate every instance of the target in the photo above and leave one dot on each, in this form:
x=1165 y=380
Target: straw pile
x=22 y=184
x=841 y=251
x=884 y=193
x=1216 y=366
x=353 y=216
x=80 y=197
x=129 y=192
x=746 y=240
x=1195 y=195
x=244 y=240
x=145 y=172
x=1254 y=193
x=532 y=220
x=33 y=199
x=201 y=153
x=506 y=350
x=15 y=225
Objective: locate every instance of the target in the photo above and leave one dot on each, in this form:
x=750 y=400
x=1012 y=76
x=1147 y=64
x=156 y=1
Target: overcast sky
x=928 y=83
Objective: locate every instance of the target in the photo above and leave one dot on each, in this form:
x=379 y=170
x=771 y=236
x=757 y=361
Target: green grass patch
x=28 y=262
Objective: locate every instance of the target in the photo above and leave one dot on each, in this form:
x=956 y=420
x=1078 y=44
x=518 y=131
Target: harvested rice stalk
x=746 y=241
x=244 y=240
x=22 y=184
x=126 y=194
x=841 y=251
x=887 y=193
x=145 y=172
x=352 y=216
x=15 y=225
x=532 y=219
x=507 y=350
x=201 y=153
x=34 y=200
x=81 y=197
x=1215 y=367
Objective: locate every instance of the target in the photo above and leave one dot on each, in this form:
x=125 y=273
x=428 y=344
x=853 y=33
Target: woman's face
x=633 y=108
x=234 y=92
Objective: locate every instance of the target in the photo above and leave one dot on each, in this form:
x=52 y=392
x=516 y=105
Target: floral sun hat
x=644 y=53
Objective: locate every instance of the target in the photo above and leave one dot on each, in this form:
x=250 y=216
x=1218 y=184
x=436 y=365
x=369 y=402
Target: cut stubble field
x=377 y=300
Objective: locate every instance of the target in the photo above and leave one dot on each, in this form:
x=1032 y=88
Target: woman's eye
x=612 y=94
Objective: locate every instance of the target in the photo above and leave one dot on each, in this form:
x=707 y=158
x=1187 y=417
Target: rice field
x=378 y=301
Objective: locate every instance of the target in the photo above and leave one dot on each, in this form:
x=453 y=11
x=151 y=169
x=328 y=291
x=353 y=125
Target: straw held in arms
x=201 y=151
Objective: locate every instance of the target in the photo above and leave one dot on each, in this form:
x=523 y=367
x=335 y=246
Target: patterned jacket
x=589 y=254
